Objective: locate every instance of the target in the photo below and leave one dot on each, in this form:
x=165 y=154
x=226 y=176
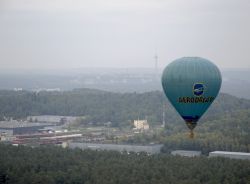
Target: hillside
x=227 y=132
x=101 y=106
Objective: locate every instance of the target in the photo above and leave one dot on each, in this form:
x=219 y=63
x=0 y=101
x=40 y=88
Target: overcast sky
x=122 y=33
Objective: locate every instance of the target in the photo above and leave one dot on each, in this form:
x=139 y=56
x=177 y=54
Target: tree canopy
x=57 y=165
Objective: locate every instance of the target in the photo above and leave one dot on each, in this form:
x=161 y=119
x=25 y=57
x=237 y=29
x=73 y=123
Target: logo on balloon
x=198 y=89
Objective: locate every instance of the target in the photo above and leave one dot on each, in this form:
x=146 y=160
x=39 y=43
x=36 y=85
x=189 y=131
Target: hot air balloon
x=191 y=84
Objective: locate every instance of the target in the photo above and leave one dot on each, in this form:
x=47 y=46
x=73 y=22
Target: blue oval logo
x=198 y=89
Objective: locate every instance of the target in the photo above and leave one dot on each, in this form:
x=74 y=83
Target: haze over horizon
x=61 y=34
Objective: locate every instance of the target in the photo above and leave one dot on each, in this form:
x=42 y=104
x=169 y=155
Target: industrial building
x=141 y=125
x=232 y=155
x=14 y=127
x=52 y=119
x=186 y=153
x=150 y=149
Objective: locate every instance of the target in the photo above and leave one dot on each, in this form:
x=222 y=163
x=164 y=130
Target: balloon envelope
x=191 y=84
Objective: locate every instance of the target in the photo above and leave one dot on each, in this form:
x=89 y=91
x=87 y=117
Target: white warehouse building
x=186 y=153
x=232 y=155
x=51 y=119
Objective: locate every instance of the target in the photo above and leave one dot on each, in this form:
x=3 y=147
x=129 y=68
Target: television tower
x=156 y=65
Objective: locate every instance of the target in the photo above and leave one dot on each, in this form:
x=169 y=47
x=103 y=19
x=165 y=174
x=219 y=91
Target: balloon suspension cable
x=191 y=125
x=191 y=134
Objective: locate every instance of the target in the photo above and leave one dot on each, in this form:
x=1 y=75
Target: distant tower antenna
x=156 y=64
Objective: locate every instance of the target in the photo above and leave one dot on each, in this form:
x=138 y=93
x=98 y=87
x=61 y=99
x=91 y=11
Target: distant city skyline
x=61 y=34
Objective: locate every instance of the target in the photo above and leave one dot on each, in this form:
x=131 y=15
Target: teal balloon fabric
x=191 y=84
